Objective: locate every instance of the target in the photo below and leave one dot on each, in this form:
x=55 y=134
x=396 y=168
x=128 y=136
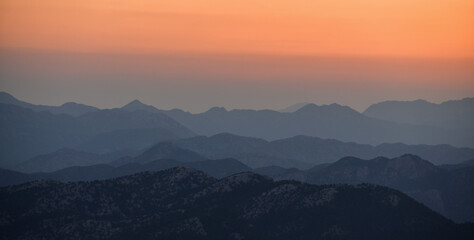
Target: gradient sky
x=194 y=54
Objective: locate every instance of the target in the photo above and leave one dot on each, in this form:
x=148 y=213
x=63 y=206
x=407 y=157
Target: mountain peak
x=331 y=108
x=70 y=104
x=80 y=108
x=217 y=110
x=414 y=159
x=294 y=107
x=135 y=102
x=138 y=105
x=308 y=106
x=350 y=160
x=7 y=98
x=5 y=95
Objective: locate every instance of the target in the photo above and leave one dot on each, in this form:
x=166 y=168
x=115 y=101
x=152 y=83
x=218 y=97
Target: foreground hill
x=26 y=133
x=449 y=192
x=182 y=203
x=304 y=151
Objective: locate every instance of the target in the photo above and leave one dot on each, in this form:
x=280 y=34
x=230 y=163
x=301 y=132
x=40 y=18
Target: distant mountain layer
x=70 y=108
x=66 y=158
x=450 y=193
x=216 y=168
x=298 y=152
x=182 y=203
x=416 y=122
x=26 y=133
x=327 y=121
x=305 y=152
x=450 y=114
x=294 y=107
x=136 y=105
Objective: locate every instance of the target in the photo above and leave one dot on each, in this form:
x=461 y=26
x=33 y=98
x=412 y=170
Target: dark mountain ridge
x=449 y=192
x=183 y=203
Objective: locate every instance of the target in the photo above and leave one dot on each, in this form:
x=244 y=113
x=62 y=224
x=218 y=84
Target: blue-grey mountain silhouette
x=70 y=108
x=26 y=133
x=304 y=151
x=449 y=114
x=327 y=121
x=294 y=107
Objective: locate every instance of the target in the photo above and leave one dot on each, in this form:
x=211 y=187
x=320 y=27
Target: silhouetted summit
x=333 y=109
x=137 y=105
x=293 y=107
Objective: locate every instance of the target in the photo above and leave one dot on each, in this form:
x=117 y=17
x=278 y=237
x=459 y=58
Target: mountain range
x=182 y=203
x=449 y=114
x=305 y=152
x=328 y=121
x=67 y=157
x=447 y=190
x=69 y=108
x=298 y=152
x=310 y=143
x=416 y=122
x=73 y=165
x=26 y=133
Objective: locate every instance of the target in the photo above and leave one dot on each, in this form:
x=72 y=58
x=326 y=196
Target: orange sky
x=195 y=54
x=408 y=28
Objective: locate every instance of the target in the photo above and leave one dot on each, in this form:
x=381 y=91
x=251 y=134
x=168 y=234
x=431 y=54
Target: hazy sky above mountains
x=237 y=54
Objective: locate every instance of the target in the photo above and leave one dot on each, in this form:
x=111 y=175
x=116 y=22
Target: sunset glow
x=241 y=54
x=413 y=28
